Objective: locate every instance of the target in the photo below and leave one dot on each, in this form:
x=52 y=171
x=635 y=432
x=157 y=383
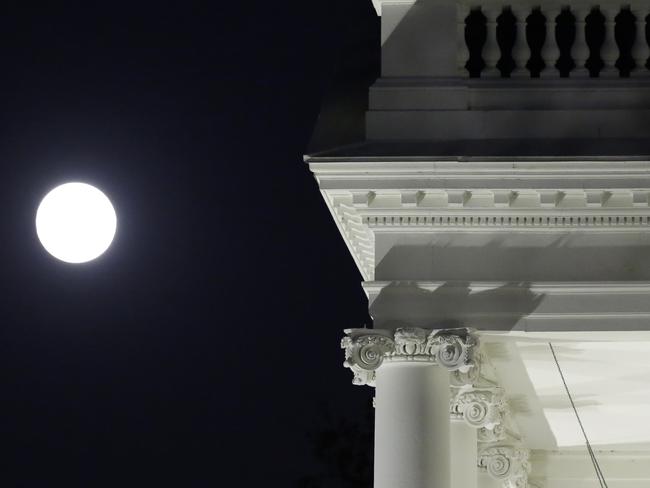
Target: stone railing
x=554 y=40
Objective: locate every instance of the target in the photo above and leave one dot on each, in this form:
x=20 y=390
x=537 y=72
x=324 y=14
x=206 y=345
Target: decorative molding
x=468 y=377
x=358 y=237
x=497 y=434
x=481 y=408
x=506 y=463
x=367 y=349
x=507 y=222
x=360 y=214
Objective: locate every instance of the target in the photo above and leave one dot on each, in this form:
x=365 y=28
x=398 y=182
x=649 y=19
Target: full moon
x=76 y=222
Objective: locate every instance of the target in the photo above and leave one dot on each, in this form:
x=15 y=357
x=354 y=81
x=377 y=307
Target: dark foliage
x=344 y=448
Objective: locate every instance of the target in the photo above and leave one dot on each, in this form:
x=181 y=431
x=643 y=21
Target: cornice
x=361 y=214
x=352 y=168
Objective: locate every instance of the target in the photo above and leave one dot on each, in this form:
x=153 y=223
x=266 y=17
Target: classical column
x=640 y=51
x=609 y=49
x=412 y=426
x=579 y=48
x=410 y=369
x=550 y=51
x=491 y=51
x=487 y=481
x=464 y=460
x=520 y=49
x=473 y=410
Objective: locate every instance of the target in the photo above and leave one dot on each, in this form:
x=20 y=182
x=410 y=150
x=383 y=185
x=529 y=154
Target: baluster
x=462 y=11
x=550 y=51
x=609 y=50
x=640 y=51
x=580 y=49
x=520 y=49
x=491 y=51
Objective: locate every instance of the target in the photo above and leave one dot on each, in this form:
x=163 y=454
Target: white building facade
x=499 y=213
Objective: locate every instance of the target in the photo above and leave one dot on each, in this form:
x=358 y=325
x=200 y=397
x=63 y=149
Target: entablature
x=372 y=198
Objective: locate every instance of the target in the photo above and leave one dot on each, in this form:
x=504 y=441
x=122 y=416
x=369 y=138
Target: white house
x=500 y=220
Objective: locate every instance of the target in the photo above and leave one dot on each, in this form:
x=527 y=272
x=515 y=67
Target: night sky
x=203 y=348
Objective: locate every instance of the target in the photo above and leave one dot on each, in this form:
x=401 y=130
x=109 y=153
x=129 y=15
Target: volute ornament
x=364 y=354
x=456 y=350
x=367 y=349
x=506 y=463
x=480 y=407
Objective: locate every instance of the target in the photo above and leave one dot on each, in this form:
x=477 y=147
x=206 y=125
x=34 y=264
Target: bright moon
x=76 y=222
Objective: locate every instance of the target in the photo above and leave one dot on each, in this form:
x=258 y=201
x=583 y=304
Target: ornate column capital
x=506 y=463
x=367 y=349
x=481 y=408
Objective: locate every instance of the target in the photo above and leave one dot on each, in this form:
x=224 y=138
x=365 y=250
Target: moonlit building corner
x=497 y=209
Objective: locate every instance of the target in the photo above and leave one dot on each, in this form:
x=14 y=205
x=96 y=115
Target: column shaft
x=464 y=461
x=412 y=438
x=486 y=481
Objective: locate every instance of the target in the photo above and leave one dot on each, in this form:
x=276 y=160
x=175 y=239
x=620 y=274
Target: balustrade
x=640 y=51
x=572 y=38
x=579 y=48
x=520 y=49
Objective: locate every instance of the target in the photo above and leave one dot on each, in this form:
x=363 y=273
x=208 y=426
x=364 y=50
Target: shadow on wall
x=567 y=258
x=453 y=305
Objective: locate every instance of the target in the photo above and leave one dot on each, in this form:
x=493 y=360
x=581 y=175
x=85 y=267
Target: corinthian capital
x=366 y=350
x=479 y=407
x=508 y=464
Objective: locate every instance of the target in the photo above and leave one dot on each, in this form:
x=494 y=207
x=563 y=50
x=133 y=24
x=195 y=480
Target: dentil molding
x=422 y=196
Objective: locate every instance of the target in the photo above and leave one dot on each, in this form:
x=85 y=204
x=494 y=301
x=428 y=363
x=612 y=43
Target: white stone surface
x=412 y=426
x=464 y=471
x=517 y=207
x=609 y=384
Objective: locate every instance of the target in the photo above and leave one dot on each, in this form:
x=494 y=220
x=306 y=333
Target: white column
x=609 y=49
x=410 y=369
x=412 y=426
x=640 y=50
x=550 y=50
x=487 y=481
x=579 y=49
x=520 y=49
x=491 y=51
x=464 y=460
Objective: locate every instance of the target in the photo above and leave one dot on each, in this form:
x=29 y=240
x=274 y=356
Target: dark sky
x=199 y=350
